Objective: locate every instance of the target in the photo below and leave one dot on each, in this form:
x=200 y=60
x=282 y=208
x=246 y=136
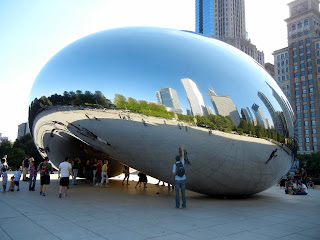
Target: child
x=4 y=179
x=17 y=176
x=310 y=183
x=11 y=188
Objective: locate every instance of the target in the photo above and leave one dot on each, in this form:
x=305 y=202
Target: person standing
x=304 y=176
x=5 y=163
x=33 y=174
x=16 y=177
x=65 y=170
x=98 y=173
x=25 y=168
x=180 y=179
x=75 y=168
x=104 y=175
x=126 y=174
x=45 y=169
x=4 y=180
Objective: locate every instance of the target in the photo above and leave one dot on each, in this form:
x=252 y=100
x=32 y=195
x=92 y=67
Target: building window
x=314 y=131
x=293 y=27
x=279 y=79
x=309 y=56
x=278 y=64
x=305 y=107
x=313 y=123
x=313 y=114
x=301 y=43
x=299 y=132
x=299 y=24
x=308 y=49
x=287 y=62
x=312 y=98
x=307 y=148
x=310 y=82
x=304 y=99
x=302 y=65
x=282 y=70
x=301 y=50
x=307 y=40
x=309 y=71
x=306 y=123
x=312 y=105
x=303 y=73
x=315 y=140
x=307 y=131
x=300 y=140
x=303 y=83
x=298 y=108
x=288 y=77
x=317 y=45
x=287 y=69
x=311 y=90
x=296 y=75
x=296 y=84
x=299 y=124
x=294 y=45
x=300 y=148
x=298 y=100
x=294 y=52
x=298 y=116
x=309 y=64
x=295 y=60
x=297 y=92
x=305 y=115
x=315 y=148
x=301 y=58
x=283 y=78
x=286 y=55
x=295 y=67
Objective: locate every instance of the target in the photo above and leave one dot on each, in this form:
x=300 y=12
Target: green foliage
x=216 y=122
x=16 y=157
x=240 y=131
x=185 y=118
x=311 y=162
x=68 y=98
x=141 y=106
x=27 y=145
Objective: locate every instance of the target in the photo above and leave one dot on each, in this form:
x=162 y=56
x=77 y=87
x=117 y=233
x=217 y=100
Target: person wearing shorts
x=65 y=170
x=45 y=169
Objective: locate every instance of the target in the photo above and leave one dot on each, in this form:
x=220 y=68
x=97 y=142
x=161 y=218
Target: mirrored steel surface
x=185 y=72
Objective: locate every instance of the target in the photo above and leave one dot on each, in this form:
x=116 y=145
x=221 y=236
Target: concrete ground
x=124 y=212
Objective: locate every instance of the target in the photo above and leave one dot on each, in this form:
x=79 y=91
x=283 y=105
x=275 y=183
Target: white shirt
x=65 y=169
x=300 y=187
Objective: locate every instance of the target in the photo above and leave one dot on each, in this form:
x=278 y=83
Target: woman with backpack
x=180 y=179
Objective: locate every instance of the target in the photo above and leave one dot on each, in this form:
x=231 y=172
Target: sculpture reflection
x=146 y=86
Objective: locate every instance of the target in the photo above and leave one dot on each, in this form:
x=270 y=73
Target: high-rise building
x=225 y=20
x=224 y=106
x=169 y=98
x=259 y=115
x=303 y=87
x=195 y=98
x=281 y=70
x=277 y=121
x=23 y=129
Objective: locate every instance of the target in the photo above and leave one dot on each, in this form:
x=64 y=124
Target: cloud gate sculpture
x=134 y=95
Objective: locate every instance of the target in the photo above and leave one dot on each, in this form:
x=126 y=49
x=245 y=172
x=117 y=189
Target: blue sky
x=33 y=31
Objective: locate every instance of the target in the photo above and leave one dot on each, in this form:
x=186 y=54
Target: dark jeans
x=32 y=182
x=180 y=185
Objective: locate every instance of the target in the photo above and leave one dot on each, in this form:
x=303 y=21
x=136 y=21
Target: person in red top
x=98 y=173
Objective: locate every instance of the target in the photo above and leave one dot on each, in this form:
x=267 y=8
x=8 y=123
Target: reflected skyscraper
x=278 y=125
x=224 y=106
x=289 y=118
x=194 y=97
x=259 y=115
x=245 y=115
x=169 y=98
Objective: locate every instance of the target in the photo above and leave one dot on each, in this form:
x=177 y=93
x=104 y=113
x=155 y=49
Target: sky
x=34 y=31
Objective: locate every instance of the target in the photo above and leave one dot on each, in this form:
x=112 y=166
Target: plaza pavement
x=123 y=212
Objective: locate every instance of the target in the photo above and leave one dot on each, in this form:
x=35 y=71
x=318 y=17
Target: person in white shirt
x=65 y=170
x=301 y=190
x=17 y=176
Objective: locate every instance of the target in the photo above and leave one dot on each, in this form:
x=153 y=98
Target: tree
x=120 y=101
x=244 y=125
